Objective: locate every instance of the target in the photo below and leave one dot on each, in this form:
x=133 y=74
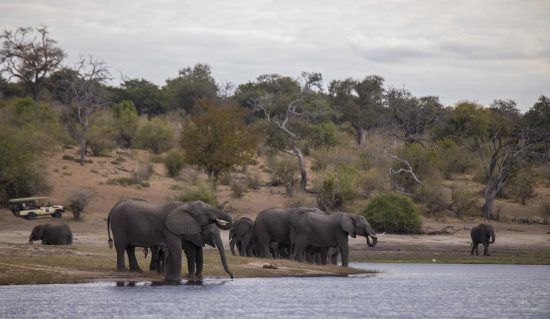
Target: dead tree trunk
x=302 y=164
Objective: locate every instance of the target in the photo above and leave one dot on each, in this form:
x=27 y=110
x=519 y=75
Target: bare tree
x=30 y=58
x=294 y=110
x=84 y=94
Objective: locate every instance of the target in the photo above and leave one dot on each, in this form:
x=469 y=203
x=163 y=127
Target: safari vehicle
x=30 y=207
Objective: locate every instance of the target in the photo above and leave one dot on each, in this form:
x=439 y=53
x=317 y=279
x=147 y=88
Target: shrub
x=225 y=179
x=174 y=163
x=322 y=134
x=156 y=136
x=521 y=187
x=326 y=157
x=78 y=201
x=545 y=210
x=69 y=158
x=253 y=181
x=464 y=201
x=393 y=213
x=125 y=122
x=453 y=158
x=284 y=169
x=431 y=193
x=22 y=174
x=100 y=140
x=127 y=181
x=238 y=189
x=218 y=139
x=423 y=163
x=143 y=173
x=201 y=192
x=339 y=186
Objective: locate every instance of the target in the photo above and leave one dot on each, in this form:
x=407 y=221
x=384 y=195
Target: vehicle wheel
x=31 y=216
x=57 y=214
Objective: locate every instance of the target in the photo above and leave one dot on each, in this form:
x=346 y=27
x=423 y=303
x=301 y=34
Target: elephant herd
x=303 y=234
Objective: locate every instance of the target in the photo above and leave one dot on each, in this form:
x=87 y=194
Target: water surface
x=400 y=291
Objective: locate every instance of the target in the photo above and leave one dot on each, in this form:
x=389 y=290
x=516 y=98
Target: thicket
x=394 y=213
x=156 y=135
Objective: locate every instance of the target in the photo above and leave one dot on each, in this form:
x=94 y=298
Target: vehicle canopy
x=27 y=199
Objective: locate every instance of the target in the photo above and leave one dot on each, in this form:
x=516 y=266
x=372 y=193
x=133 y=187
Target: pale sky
x=457 y=50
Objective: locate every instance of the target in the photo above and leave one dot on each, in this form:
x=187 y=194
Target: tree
x=146 y=96
x=191 y=86
x=412 y=116
x=218 y=138
x=125 y=122
x=538 y=119
x=286 y=104
x=83 y=94
x=30 y=58
x=498 y=138
x=359 y=102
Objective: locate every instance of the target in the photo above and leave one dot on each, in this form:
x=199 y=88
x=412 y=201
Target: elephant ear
x=181 y=222
x=348 y=225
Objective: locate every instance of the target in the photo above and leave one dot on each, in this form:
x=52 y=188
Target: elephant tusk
x=222 y=222
x=378 y=235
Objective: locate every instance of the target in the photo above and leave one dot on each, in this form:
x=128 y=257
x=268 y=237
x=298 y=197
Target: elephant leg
x=120 y=264
x=477 y=251
x=486 y=249
x=344 y=252
x=245 y=242
x=173 y=266
x=473 y=248
x=190 y=255
x=232 y=244
x=324 y=256
x=199 y=263
x=132 y=260
x=299 y=251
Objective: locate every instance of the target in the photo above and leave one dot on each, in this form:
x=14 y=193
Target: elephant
x=274 y=225
x=322 y=255
x=193 y=245
x=481 y=234
x=159 y=256
x=332 y=230
x=138 y=223
x=52 y=234
x=242 y=236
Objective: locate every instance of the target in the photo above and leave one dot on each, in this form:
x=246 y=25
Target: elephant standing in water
x=242 y=236
x=482 y=234
x=52 y=234
x=273 y=225
x=138 y=223
x=324 y=231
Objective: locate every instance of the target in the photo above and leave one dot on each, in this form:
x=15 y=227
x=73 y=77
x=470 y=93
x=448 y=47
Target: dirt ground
x=91 y=259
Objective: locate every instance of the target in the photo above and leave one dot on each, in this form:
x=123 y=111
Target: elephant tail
x=110 y=241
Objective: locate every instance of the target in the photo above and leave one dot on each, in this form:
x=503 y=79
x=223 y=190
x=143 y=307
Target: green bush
x=453 y=158
x=340 y=186
x=100 y=138
x=174 y=163
x=322 y=134
x=125 y=122
x=394 y=213
x=156 y=136
x=22 y=173
x=201 y=192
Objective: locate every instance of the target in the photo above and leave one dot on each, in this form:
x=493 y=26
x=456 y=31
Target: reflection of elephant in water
x=52 y=234
x=482 y=234
x=242 y=236
x=330 y=231
x=137 y=223
x=274 y=225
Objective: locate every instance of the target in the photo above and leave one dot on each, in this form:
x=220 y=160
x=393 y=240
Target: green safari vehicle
x=31 y=207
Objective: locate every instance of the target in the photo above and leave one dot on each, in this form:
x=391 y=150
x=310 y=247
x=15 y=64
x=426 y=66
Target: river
x=399 y=291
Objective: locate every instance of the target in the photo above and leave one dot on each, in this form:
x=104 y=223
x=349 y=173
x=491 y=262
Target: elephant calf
x=52 y=234
x=482 y=234
x=242 y=236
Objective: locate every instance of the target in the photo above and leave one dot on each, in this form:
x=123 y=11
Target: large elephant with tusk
x=138 y=223
x=324 y=231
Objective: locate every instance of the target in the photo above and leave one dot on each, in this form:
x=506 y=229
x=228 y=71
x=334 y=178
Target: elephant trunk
x=493 y=237
x=224 y=224
x=219 y=244
x=371 y=242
